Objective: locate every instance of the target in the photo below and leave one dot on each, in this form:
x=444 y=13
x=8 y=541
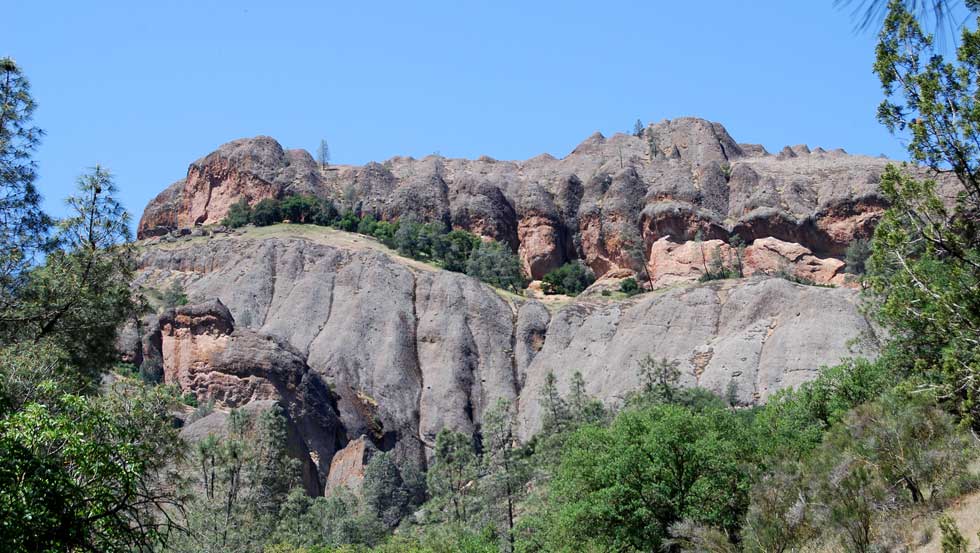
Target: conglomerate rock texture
x=356 y=341
x=600 y=203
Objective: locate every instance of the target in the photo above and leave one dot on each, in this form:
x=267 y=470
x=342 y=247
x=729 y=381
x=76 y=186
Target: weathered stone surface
x=409 y=350
x=204 y=354
x=672 y=262
x=682 y=176
x=348 y=465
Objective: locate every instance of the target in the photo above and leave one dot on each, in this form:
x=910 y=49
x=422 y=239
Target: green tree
x=458 y=244
x=299 y=208
x=323 y=154
x=925 y=262
x=638 y=129
x=384 y=490
x=23 y=225
x=367 y=225
x=856 y=256
x=239 y=481
x=385 y=232
x=81 y=294
x=174 y=295
x=325 y=213
x=494 y=263
x=738 y=247
x=583 y=408
x=569 y=279
x=622 y=487
x=407 y=238
x=348 y=222
x=239 y=214
x=660 y=378
x=556 y=416
x=266 y=212
x=82 y=473
x=451 y=476
x=506 y=470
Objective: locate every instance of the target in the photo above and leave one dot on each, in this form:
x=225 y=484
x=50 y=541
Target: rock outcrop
x=599 y=203
x=205 y=355
x=355 y=341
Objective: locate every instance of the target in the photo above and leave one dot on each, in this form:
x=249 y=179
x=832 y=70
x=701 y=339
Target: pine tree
x=452 y=474
x=323 y=154
x=23 y=225
x=506 y=469
x=555 y=418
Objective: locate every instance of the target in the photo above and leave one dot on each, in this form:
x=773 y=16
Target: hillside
x=408 y=349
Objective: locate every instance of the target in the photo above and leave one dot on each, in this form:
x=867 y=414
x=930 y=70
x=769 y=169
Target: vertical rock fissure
x=272 y=294
x=418 y=364
x=513 y=352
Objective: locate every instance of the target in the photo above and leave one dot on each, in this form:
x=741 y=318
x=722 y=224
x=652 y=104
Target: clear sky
x=145 y=88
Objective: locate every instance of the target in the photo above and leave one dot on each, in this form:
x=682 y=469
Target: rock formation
x=607 y=198
x=355 y=341
x=205 y=355
x=368 y=351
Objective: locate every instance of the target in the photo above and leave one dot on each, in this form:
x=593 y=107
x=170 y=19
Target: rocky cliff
x=601 y=203
x=356 y=341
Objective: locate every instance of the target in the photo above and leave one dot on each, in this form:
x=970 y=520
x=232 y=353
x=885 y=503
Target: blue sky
x=145 y=88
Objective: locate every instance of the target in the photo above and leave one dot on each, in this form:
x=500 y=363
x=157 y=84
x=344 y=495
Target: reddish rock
x=672 y=262
x=348 y=465
x=540 y=246
x=205 y=355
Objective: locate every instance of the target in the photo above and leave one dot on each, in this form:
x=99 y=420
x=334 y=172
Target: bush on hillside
x=569 y=279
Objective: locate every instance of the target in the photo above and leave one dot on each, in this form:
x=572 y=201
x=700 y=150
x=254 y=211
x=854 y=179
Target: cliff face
x=682 y=177
x=357 y=341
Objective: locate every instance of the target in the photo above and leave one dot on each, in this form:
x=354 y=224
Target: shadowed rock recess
x=367 y=351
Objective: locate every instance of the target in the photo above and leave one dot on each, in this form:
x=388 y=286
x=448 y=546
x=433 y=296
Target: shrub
x=367 y=225
x=299 y=209
x=174 y=295
x=569 y=279
x=266 y=212
x=239 y=214
x=189 y=399
x=629 y=286
x=856 y=255
x=495 y=264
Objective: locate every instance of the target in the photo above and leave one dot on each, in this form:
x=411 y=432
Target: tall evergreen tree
x=23 y=225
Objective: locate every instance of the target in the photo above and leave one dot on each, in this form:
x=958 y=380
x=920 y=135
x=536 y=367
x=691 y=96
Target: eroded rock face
x=204 y=354
x=609 y=194
x=672 y=262
x=348 y=465
x=408 y=350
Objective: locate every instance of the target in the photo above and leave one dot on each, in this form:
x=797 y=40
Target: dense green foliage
x=569 y=279
x=79 y=470
x=925 y=263
x=629 y=286
x=453 y=250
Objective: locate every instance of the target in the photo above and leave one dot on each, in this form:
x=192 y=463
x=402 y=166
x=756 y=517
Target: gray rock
x=409 y=350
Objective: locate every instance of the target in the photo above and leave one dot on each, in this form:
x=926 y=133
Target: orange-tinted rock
x=348 y=465
x=540 y=246
x=672 y=262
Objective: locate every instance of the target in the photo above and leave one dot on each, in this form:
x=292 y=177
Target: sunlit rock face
x=682 y=178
